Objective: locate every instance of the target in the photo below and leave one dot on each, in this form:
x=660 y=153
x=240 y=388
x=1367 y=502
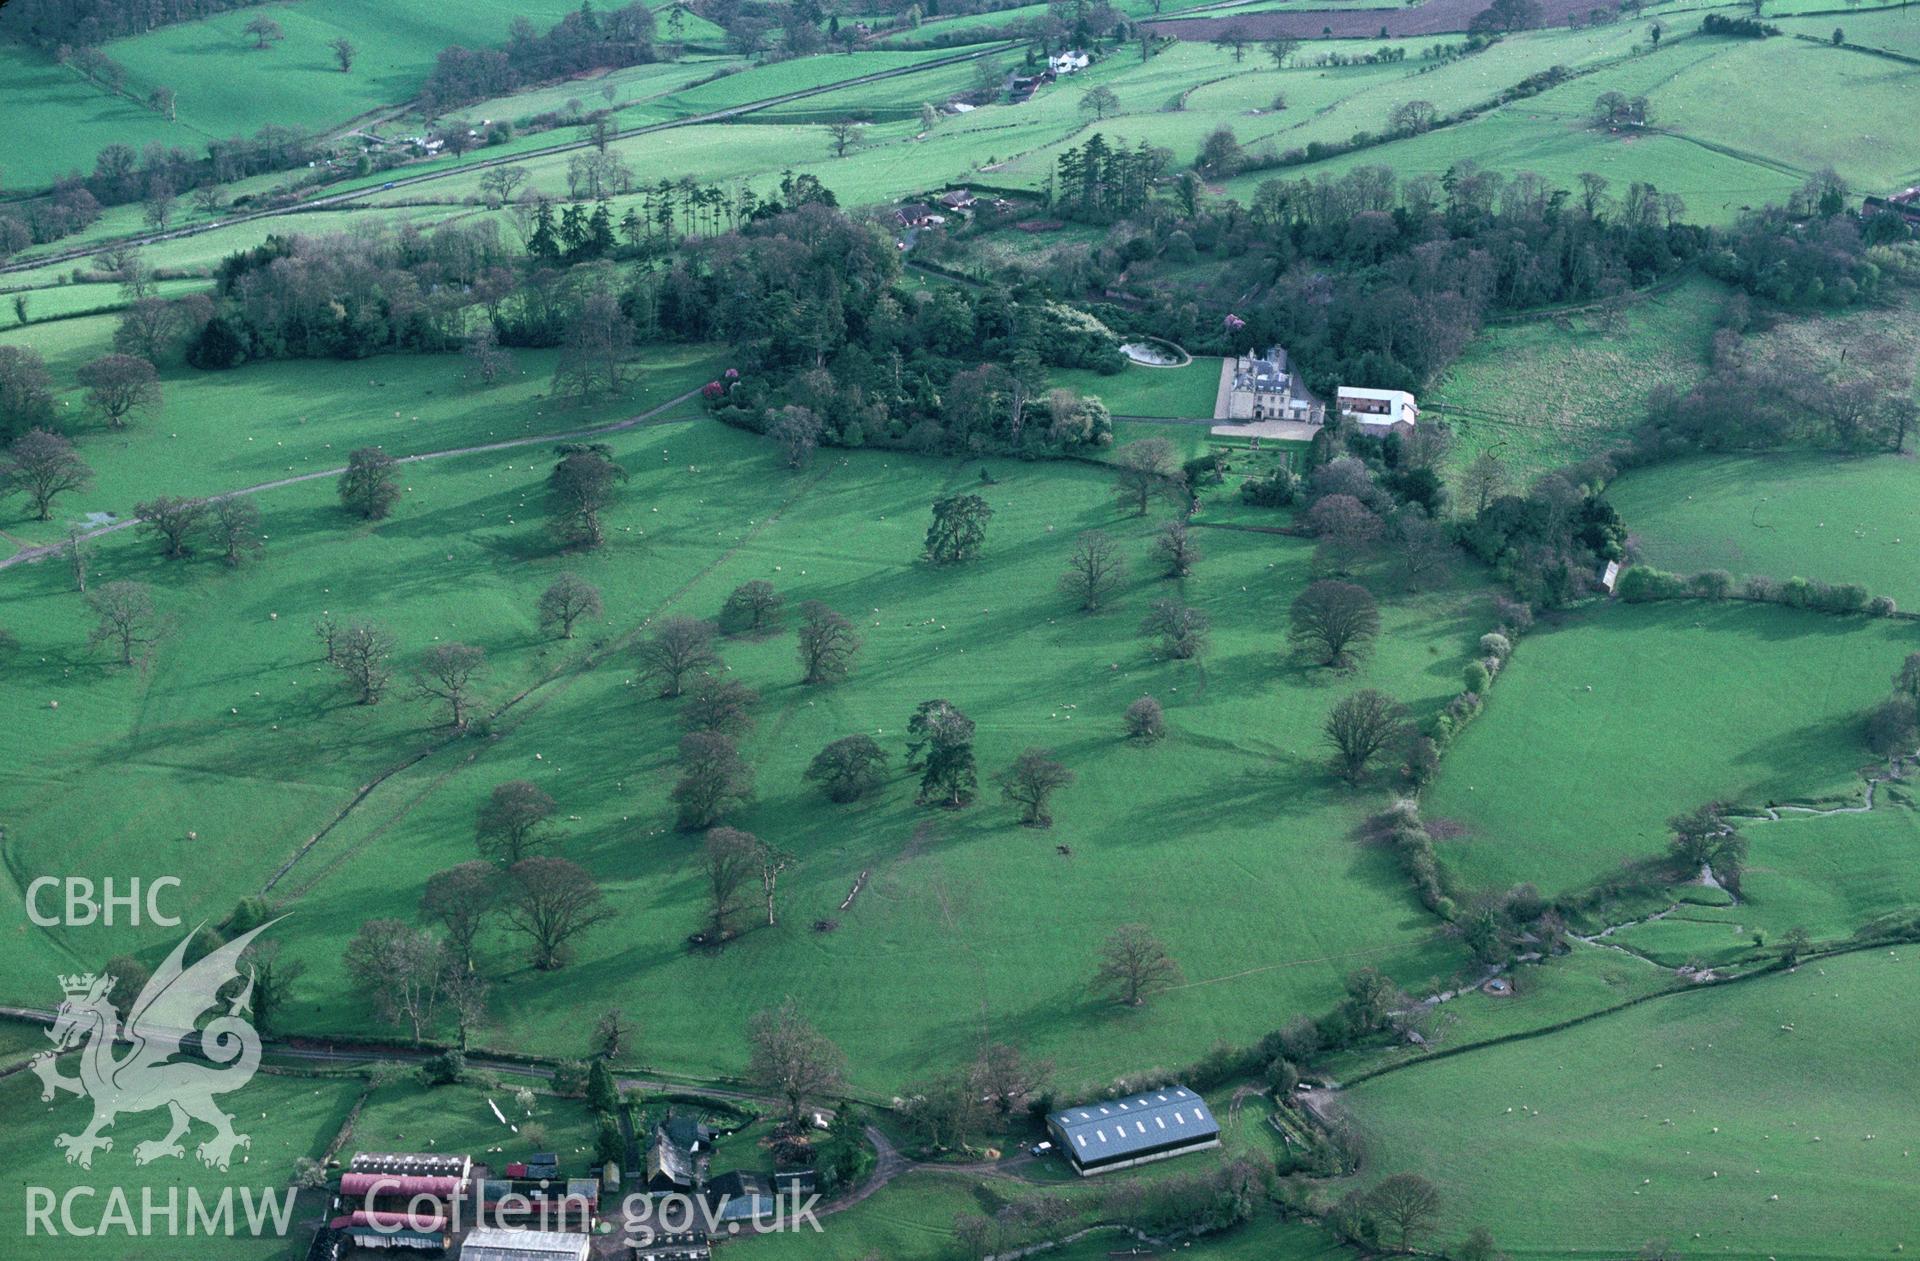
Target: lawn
x=1605 y=726
x=1763 y=1119
x=1792 y=514
x=238 y=736
x=1136 y=390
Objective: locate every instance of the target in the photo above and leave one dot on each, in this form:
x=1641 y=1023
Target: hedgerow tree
x=1333 y=623
x=1408 y=1203
x=568 y=599
x=959 y=529
x=1134 y=964
x=370 y=486
x=512 y=823
x=849 y=768
x=792 y=1059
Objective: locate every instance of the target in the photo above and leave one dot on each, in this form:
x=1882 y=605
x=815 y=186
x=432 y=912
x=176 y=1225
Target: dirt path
x=653 y=416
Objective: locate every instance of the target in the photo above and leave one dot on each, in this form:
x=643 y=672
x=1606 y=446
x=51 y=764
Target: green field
x=943 y=886
x=1812 y=516
x=283 y=1117
x=1605 y=726
x=1178 y=393
x=1681 y=1120
x=1540 y=392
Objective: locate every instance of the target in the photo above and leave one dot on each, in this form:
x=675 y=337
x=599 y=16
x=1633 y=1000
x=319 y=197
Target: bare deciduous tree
x=729 y=859
x=461 y=900
x=1332 y=622
x=751 y=605
x=1030 y=784
x=1181 y=628
x=826 y=644
x=1095 y=570
x=513 y=822
x=42 y=465
x=1145 y=469
x=553 y=901
x=172 y=520
x=401 y=970
x=120 y=385
x=714 y=778
x=566 y=601
x=849 y=768
x=447 y=673
x=1359 y=727
x=370 y=486
x=233 y=523
x=678 y=647
x=1133 y=964
x=363 y=652
x=1175 y=547
x=126 y=618
x=792 y=1059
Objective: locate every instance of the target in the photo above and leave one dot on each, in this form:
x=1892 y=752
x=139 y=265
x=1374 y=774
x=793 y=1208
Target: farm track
x=334 y=200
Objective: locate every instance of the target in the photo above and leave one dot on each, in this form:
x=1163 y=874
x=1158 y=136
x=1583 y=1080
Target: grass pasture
x=1557 y=784
x=284 y=1117
x=1240 y=780
x=1835 y=519
x=1549 y=390
x=1749 y=1120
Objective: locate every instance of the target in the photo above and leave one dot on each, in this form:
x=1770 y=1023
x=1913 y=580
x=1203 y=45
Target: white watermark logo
x=171 y=1060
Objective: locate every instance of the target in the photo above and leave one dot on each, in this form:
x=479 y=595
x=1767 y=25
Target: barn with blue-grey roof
x=1121 y=1133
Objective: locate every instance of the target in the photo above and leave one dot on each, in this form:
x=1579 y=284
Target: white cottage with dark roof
x=1122 y=1133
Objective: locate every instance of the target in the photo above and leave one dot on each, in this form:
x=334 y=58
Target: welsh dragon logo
x=159 y=1068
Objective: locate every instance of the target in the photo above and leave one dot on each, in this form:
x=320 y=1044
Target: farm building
x=525 y=1245
x=416 y=1232
x=1122 y=1133
x=1069 y=62
x=426 y=1164
x=1904 y=205
x=742 y=1196
x=1379 y=409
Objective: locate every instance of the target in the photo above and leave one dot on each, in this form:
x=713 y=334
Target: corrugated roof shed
x=1120 y=1127
x=524 y=1245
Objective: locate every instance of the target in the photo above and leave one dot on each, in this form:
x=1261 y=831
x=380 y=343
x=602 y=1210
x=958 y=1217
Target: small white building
x=1379 y=410
x=1069 y=62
